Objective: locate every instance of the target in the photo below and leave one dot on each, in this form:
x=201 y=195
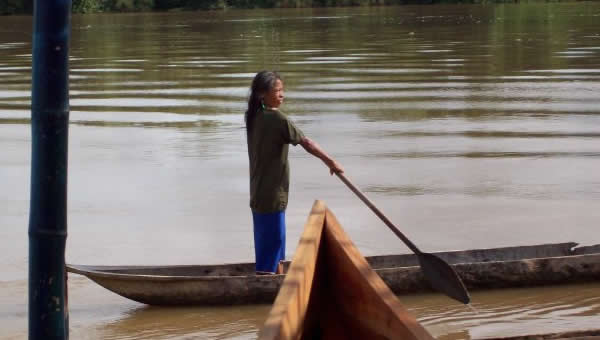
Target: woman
x=269 y=132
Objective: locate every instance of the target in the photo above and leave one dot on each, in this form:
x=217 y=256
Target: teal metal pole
x=48 y=313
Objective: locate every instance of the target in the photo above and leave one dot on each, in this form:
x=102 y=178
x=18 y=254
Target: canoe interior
x=376 y=262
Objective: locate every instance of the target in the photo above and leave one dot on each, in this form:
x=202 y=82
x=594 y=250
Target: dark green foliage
x=163 y=5
x=204 y=4
x=143 y=5
x=86 y=6
x=251 y=3
x=91 y=6
x=16 y=7
x=106 y=5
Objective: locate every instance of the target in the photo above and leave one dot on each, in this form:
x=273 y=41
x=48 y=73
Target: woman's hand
x=335 y=167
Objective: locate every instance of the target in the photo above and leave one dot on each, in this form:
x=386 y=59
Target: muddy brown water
x=469 y=126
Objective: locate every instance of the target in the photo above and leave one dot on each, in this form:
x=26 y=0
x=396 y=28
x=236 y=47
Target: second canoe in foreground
x=331 y=292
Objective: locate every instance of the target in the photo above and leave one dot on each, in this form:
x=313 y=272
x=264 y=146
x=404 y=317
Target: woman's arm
x=314 y=149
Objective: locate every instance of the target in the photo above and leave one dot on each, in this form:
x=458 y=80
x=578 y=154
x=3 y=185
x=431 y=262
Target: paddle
x=440 y=275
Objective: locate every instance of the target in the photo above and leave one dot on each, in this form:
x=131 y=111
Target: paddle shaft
x=379 y=214
x=438 y=272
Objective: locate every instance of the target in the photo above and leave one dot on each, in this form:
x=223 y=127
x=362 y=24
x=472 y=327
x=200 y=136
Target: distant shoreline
x=25 y=7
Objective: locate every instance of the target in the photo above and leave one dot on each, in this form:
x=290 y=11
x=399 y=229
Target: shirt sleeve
x=291 y=133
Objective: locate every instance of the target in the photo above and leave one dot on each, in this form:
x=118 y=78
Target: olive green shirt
x=268 y=142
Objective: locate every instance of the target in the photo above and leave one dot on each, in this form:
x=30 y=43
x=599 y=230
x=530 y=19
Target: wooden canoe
x=331 y=292
x=522 y=266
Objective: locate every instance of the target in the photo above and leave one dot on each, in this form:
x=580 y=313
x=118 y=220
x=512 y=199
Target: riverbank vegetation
x=93 y=6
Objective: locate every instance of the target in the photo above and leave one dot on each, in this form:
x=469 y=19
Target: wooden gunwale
x=378 y=262
x=97 y=272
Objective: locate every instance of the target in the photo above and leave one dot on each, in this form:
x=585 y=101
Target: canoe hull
x=509 y=274
x=229 y=291
x=525 y=266
x=185 y=284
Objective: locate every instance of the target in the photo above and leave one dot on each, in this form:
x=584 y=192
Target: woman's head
x=266 y=89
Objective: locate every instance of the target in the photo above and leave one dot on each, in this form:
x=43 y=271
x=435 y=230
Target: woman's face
x=274 y=97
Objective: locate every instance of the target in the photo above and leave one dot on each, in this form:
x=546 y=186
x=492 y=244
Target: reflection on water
x=507 y=312
x=242 y=322
x=511 y=312
x=470 y=126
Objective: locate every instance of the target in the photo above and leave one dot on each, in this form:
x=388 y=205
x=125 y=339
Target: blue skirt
x=269 y=240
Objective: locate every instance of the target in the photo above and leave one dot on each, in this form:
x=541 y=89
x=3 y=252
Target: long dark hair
x=263 y=82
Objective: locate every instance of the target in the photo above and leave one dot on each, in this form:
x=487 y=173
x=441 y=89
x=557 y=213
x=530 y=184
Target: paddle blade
x=443 y=278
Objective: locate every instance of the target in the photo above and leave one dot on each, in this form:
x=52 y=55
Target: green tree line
x=92 y=6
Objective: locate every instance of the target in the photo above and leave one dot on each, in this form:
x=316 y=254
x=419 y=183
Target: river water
x=469 y=126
